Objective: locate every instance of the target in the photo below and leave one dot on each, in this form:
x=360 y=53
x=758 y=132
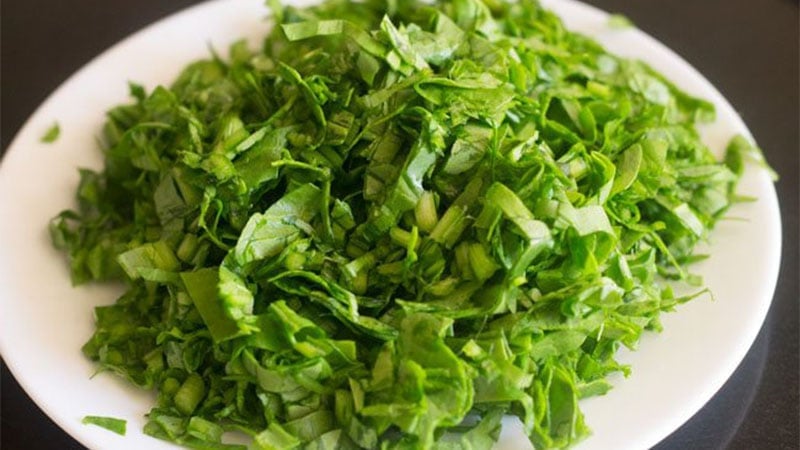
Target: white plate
x=45 y=321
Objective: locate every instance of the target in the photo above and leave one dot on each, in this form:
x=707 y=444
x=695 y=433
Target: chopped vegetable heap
x=390 y=227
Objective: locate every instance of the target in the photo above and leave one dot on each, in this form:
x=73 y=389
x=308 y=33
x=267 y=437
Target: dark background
x=748 y=49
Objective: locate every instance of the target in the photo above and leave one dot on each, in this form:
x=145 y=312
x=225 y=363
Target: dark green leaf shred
x=52 y=133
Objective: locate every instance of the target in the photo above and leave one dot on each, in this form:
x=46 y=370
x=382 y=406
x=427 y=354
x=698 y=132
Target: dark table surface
x=748 y=49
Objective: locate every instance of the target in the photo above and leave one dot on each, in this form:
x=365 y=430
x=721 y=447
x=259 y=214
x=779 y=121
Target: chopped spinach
x=392 y=225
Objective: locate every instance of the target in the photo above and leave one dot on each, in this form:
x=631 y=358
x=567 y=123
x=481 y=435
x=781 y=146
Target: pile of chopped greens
x=391 y=226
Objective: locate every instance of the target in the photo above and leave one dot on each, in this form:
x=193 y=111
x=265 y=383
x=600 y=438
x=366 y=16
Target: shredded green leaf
x=391 y=226
x=109 y=423
x=52 y=133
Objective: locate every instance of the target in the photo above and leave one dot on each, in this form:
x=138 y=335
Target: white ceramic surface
x=44 y=321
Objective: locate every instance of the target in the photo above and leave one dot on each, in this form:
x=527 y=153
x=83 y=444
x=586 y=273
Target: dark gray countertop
x=747 y=49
